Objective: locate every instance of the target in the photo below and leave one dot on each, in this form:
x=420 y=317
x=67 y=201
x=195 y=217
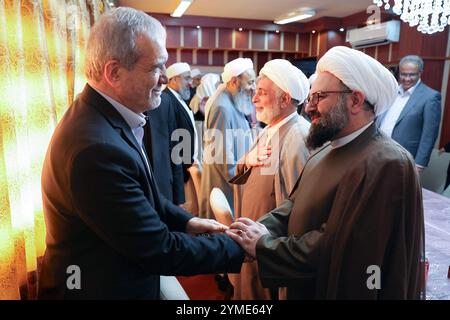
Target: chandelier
x=429 y=15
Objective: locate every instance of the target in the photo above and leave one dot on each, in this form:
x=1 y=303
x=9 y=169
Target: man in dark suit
x=414 y=118
x=158 y=145
x=178 y=90
x=110 y=234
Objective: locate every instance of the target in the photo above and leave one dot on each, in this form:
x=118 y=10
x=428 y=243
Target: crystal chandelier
x=430 y=15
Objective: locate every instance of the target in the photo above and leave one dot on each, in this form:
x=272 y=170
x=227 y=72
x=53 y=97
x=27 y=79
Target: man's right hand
x=257 y=156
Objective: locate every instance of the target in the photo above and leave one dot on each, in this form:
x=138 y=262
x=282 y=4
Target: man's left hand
x=199 y=226
x=247 y=232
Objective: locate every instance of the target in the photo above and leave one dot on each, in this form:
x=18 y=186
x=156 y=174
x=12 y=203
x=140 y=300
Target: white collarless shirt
x=271 y=131
x=348 y=138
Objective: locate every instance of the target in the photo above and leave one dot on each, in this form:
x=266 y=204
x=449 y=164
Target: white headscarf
x=177 y=69
x=195 y=73
x=235 y=68
x=206 y=88
x=360 y=72
x=287 y=77
x=208 y=85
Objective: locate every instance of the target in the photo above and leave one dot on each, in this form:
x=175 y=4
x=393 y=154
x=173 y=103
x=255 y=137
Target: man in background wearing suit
x=178 y=90
x=158 y=145
x=414 y=118
x=103 y=211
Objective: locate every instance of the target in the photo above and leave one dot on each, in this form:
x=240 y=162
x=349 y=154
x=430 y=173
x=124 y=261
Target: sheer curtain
x=41 y=70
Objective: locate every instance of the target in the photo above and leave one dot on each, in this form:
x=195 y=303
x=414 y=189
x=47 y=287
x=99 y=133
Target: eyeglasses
x=314 y=98
x=409 y=75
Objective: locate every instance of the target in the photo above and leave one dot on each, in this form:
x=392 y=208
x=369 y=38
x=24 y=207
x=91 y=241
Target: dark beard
x=329 y=125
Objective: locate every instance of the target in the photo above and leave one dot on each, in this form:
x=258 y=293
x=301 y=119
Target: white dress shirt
x=136 y=121
x=392 y=115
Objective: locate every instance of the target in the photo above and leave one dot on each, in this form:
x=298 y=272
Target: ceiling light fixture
x=182 y=7
x=429 y=16
x=295 y=16
x=240 y=29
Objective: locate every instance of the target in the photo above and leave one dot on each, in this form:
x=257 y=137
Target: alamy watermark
x=374 y=280
x=73 y=281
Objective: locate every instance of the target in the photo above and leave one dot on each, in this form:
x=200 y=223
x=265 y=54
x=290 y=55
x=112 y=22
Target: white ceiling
x=253 y=9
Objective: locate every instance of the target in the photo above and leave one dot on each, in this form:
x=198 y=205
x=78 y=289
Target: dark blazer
x=183 y=121
x=158 y=145
x=104 y=214
x=417 y=126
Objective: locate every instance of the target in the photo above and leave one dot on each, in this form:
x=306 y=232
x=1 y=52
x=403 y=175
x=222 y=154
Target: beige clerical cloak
x=228 y=137
x=264 y=188
x=354 y=209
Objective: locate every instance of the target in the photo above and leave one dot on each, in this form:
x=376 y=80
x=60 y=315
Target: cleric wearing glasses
x=353 y=225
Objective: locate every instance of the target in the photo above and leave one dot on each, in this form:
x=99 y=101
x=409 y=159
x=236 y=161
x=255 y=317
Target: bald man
x=353 y=226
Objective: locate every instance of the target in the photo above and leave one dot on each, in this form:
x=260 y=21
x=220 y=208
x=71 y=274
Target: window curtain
x=42 y=45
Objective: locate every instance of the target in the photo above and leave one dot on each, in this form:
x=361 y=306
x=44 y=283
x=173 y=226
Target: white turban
x=205 y=89
x=235 y=68
x=195 y=73
x=312 y=78
x=287 y=77
x=360 y=72
x=208 y=85
x=177 y=69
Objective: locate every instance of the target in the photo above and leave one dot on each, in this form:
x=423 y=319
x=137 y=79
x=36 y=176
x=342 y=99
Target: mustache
x=314 y=114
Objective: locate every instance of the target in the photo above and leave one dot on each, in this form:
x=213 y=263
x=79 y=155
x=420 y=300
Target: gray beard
x=243 y=103
x=185 y=94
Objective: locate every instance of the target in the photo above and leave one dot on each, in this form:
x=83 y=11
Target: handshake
x=244 y=231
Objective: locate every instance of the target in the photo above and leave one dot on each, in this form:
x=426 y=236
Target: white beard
x=243 y=103
x=268 y=114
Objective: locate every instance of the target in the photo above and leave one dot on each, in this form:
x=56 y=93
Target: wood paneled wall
x=209 y=46
x=218 y=40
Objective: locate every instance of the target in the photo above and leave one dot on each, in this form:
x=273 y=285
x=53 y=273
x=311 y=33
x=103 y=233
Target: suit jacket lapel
x=113 y=116
x=412 y=101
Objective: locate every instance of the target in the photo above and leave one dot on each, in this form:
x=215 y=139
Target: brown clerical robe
x=353 y=207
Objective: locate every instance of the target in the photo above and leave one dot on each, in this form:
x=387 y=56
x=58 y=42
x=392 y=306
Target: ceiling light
x=240 y=29
x=182 y=7
x=341 y=29
x=198 y=27
x=277 y=31
x=314 y=31
x=429 y=16
x=295 y=16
